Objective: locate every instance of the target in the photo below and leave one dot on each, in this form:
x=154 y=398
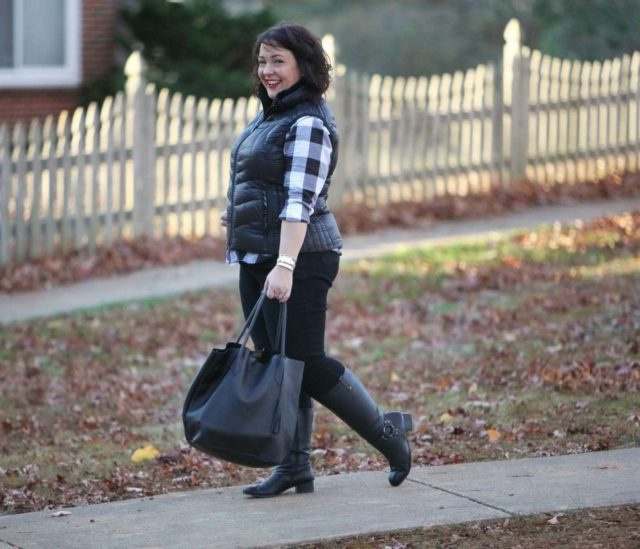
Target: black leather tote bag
x=242 y=406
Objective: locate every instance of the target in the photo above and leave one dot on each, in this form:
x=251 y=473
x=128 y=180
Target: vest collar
x=286 y=99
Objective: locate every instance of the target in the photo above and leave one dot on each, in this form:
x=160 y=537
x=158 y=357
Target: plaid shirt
x=307 y=152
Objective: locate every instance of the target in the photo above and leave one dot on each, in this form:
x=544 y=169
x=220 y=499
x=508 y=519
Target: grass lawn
x=522 y=346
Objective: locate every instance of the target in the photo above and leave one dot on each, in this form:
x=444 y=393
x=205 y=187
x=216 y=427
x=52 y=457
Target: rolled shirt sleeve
x=307 y=152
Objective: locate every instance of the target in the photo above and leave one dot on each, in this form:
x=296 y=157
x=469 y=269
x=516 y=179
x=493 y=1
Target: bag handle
x=251 y=320
x=281 y=330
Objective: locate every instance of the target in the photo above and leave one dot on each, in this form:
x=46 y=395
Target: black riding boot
x=351 y=402
x=295 y=470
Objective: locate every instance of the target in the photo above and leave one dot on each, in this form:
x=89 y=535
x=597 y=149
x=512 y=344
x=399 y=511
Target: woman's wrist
x=286 y=262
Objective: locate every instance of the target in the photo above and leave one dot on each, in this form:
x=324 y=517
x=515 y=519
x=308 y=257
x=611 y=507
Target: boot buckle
x=396 y=424
x=389 y=430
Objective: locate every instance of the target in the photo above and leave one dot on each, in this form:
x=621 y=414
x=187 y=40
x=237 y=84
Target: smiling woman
x=287 y=241
x=302 y=53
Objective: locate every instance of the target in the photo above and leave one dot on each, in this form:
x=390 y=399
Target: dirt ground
x=603 y=528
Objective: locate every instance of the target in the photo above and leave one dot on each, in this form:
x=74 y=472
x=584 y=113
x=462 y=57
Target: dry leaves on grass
x=123 y=257
x=85 y=392
x=145 y=252
x=356 y=218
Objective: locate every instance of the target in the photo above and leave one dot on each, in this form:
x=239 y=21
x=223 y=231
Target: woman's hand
x=223 y=218
x=278 y=284
x=280 y=279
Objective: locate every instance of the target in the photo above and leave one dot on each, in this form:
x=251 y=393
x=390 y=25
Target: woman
x=280 y=230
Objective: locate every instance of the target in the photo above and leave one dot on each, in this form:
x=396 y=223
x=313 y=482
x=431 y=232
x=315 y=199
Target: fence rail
x=157 y=163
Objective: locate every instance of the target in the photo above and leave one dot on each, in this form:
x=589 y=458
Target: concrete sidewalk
x=198 y=275
x=343 y=505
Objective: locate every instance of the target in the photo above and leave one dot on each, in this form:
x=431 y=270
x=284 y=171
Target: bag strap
x=251 y=320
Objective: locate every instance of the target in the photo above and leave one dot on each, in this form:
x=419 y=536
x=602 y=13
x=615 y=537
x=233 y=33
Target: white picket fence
x=147 y=163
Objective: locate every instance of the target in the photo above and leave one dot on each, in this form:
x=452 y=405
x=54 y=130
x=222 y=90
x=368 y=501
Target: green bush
x=196 y=46
x=193 y=46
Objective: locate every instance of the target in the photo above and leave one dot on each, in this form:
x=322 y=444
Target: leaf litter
x=536 y=355
x=145 y=252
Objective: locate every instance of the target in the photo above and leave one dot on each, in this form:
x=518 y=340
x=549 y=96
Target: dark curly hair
x=313 y=62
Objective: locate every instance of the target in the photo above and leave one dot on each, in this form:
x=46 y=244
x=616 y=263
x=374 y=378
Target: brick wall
x=99 y=18
x=23 y=105
x=98 y=38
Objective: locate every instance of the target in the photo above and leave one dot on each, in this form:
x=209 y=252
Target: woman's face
x=277 y=69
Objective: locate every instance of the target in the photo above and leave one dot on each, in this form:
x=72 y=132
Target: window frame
x=68 y=75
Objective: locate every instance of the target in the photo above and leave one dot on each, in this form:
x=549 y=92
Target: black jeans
x=306 y=317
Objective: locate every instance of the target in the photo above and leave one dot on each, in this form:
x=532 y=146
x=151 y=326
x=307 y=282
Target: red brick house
x=49 y=49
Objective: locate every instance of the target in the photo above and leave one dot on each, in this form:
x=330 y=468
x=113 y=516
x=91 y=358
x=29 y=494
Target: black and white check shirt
x=307 y=152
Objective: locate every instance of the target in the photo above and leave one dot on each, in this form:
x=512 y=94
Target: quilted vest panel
x=256 y=192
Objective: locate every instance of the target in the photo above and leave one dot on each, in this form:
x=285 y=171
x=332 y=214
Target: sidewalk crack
x=11 y=544
x=452 y=493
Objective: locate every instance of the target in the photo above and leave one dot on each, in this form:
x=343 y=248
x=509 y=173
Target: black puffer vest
x=256 y=194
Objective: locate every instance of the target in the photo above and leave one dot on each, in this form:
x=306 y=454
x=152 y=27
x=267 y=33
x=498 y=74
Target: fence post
x=516 y=95
x=337 y=98
x=142 y=120
x=5 y=194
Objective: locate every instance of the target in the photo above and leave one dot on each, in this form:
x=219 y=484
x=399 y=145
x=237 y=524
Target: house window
x=39 y=43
